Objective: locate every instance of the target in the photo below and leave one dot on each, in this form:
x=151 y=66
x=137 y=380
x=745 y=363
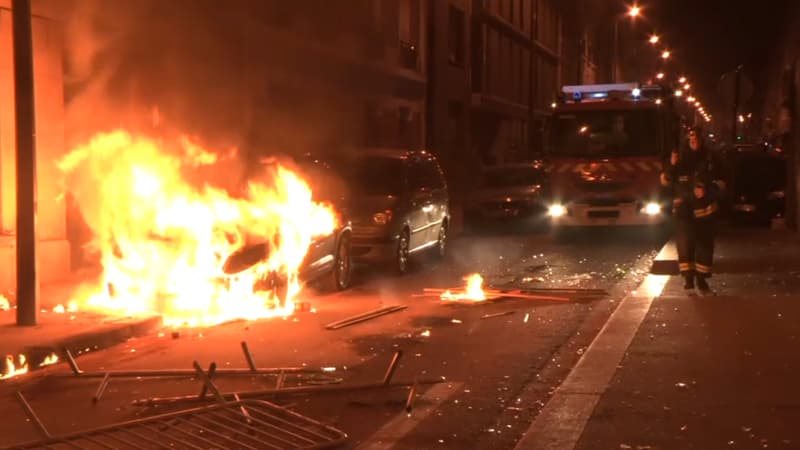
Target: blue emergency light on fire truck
x=606 y=147
x=614 y=91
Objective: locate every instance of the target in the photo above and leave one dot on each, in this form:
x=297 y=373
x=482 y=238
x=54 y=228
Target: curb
x=89 y=341
x=666 y=262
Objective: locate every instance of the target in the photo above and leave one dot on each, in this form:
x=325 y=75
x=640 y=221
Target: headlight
x=382 y=218
x=556 y=210
x=652 y=209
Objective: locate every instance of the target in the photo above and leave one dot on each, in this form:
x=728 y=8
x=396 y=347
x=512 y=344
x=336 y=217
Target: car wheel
x=343 y=268
x=402 y=256
x=441 y=243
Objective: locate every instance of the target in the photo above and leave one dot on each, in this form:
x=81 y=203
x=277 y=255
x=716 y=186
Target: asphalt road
x=497 y=361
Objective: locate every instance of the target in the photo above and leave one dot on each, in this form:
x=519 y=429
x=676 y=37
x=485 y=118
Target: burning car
x=329 y=257
x=175 y=233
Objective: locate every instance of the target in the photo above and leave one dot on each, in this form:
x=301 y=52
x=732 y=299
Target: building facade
x=48 y=86
x=781 y=109
x=497 y=66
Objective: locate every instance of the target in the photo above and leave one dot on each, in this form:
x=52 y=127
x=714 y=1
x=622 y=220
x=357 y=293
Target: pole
x=736 y=82
x=27 y=287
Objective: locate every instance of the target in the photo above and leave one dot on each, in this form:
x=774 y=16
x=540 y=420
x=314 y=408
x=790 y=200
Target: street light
x=678 y=93
x=666 y=54
x=654 y=39
x=660 y=75
x=633 y=12
x=682 y=80
x=687 y=86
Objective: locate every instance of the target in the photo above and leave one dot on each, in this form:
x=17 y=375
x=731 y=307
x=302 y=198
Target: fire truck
x=606 y=145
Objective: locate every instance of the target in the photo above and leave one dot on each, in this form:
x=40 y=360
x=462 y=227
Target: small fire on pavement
x=162 y=232
x=14 y=367
x=19 y=365
x=472 y=292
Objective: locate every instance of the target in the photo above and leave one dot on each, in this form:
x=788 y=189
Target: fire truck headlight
x=652 y=209
x=556 y=210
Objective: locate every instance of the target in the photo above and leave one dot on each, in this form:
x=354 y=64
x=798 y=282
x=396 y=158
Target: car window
x=376 y=175
x=425 y=174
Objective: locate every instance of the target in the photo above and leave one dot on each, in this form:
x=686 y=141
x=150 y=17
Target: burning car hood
x=245 y=257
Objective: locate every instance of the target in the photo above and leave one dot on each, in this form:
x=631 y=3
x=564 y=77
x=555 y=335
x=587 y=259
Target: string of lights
x=679 y=82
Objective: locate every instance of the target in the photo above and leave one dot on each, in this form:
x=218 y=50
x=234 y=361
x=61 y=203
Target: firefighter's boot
x=688 y=280
x=703 y=286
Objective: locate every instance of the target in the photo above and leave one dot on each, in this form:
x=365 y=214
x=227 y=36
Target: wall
x=449 y=91
x=781 y=109
x=51 y=217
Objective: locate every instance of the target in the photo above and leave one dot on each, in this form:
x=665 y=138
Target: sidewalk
x=58 y=328
x=718 y=372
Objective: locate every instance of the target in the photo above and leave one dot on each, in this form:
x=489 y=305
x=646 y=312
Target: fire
x=162 y=241
x=5 y=305
x=52 y=358
x=14 y=367
x=473 y=291
x=71 y=307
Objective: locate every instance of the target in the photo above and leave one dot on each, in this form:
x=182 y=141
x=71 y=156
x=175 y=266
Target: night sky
x=711 y=37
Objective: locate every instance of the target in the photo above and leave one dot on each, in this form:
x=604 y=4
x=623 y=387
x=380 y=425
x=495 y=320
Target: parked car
x=758 y=183
x=398 y=203
x=509 y=192
x=329 y=258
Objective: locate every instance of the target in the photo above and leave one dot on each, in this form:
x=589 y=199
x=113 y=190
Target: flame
x=72 y=306
x=52 y=358
x=162 y=241
x=14 y=367
x=5 y=305
x=473 y=291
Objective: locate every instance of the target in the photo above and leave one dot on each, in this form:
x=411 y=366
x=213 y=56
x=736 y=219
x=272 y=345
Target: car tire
x=402 y=257
x=341 y=275
x=441 y=242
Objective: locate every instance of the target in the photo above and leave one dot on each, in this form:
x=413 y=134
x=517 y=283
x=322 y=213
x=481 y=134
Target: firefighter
x=694 y=175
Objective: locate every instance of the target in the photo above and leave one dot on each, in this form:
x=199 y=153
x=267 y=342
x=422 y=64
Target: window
x=404 y=22
x=455 y=127
x=425 y=174
x=456 y=36
x=592 y=134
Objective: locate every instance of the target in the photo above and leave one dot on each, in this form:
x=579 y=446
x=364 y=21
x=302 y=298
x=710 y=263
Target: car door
x=419 y=203
x=436 y=207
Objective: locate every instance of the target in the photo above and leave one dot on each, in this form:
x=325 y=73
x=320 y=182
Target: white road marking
x=404 y=423
x=561 y=422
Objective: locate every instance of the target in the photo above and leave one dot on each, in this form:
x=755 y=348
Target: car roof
x=504 y=167
x=390 y=152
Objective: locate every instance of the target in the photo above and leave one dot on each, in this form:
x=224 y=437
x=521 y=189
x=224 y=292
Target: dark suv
x=399 y=205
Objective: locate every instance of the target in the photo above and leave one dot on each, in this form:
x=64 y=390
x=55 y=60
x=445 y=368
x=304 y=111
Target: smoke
x=240 y=73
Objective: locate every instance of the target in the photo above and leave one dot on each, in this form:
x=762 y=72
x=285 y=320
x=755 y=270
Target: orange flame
x=14 y=367
x=5 y=305
x=473 y=291
x=162 y=242
x=49 y=359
